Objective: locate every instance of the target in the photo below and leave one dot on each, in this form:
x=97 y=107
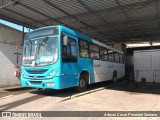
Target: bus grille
x=35 y=82
x=37 y=71
x=37 y=77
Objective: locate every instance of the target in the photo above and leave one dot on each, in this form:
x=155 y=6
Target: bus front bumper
x=45 y=83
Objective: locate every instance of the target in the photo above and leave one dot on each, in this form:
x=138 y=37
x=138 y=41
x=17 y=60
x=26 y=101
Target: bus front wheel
x=82 y=84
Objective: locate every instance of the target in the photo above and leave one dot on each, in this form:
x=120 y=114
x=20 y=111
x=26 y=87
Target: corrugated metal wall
x=147 y=65
x=9 y=40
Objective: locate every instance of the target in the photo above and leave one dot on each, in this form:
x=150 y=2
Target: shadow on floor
x=71 y=91
x=137 y=88
x=121 y=85
x=17 y=89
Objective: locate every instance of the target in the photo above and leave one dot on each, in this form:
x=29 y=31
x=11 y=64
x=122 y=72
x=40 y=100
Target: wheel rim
x=82 y=83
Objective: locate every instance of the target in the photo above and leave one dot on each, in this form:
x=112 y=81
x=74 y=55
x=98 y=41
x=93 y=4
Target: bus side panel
x=87 y=65
x=69 y=74
x=103 y=70
x=72 y=72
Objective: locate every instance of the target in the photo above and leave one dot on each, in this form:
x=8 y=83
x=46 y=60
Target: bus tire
x=82 y=84
x=114 y=79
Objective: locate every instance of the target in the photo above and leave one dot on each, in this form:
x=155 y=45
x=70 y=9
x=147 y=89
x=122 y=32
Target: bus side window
x=83 y=48
x=103 y=53
x=117 y=59
x=111 y=55
x=94 y=51
x=70 y=49
x=121 y=58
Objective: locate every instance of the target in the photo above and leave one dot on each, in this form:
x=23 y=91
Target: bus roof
x=79 y=35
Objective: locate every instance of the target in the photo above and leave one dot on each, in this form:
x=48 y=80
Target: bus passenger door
x=69 y=62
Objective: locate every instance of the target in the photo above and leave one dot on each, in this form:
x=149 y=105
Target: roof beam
x=151 y=33
x=12 y=2
x=158 y=13
x=17 y=22
x=90 y=10
x=99 y=16
x=22 y=15
x=143 y=31
x=35 y=10
x=154 y=39
x=121 y=7
x=125 y=13
x=95 y=14
x=122 y=24
x=141 y=4
x=38 y=12
x=133 y=34
x=68 y=14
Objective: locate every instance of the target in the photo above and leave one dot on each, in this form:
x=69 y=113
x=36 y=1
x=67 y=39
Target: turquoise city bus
x=57 y=57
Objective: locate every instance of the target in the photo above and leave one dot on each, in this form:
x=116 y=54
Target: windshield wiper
x=42 y=43
x=39 y=46
x=30 y=47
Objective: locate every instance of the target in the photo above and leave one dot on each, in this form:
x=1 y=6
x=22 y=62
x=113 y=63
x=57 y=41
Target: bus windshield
x=40 y=51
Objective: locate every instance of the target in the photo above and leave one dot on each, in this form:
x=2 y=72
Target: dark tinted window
x=71 y=48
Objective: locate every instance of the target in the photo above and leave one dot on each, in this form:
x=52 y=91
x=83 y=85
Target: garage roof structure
x=108 y=21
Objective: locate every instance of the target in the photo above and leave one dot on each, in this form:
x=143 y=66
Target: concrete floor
x=124 y=96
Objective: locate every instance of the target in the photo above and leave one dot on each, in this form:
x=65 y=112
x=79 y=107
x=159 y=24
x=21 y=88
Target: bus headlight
x=50 y=83
x=23 y=74
x=50 y=74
